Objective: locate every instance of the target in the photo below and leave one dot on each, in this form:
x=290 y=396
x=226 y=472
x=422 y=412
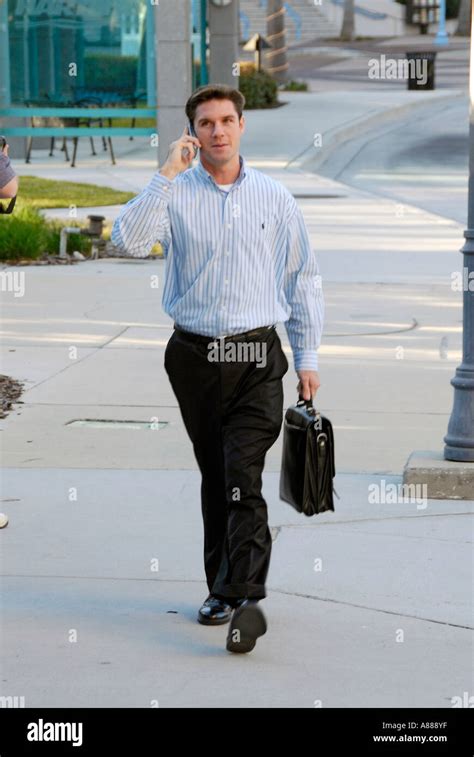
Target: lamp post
x=441 y=36
x=460 y=437
x=257 y=44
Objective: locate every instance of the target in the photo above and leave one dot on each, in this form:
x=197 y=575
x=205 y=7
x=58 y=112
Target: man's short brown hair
x=214 y=92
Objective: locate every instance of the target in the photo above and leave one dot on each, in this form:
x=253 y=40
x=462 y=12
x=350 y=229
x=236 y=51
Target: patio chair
x=91 y=102
x=36 y=121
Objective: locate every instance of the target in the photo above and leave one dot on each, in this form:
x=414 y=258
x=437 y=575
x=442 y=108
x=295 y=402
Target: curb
x=444 y=479
x=359 y=126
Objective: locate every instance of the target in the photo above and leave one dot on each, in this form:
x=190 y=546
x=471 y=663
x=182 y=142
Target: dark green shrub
x=258 y=88
x=23 y=235
x=26 y=234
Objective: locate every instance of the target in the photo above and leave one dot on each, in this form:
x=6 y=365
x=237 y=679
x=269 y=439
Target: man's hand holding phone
x=181 y=154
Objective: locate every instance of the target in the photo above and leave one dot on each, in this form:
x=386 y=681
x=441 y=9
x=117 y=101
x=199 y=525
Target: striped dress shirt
x=235 y=260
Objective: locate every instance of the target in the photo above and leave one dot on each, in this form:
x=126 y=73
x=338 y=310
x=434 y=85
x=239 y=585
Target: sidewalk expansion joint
x=372 y=609
x=270 y=591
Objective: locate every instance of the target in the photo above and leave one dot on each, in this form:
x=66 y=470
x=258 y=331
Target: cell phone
x=193 y=134
x=3 y=142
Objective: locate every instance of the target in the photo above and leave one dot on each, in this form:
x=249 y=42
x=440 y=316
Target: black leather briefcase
x=307 y=465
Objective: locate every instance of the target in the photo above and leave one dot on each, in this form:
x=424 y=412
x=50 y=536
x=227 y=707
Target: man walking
x=238 y=261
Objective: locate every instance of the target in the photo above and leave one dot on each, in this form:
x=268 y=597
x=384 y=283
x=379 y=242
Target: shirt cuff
x=160 y=186
x=306 y=360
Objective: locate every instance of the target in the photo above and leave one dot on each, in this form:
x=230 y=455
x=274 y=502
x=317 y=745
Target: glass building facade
x=64 y=51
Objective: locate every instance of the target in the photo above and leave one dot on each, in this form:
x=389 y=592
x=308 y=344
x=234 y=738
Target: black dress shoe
x=214 y=612
x=247 y=624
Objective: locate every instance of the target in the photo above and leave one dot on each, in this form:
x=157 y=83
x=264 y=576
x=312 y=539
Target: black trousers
x=233 y=411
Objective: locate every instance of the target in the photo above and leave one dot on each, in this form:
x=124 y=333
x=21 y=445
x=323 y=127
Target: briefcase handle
x=308 y=403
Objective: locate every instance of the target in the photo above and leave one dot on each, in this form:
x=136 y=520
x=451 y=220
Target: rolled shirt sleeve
x=6 y=170
x=144 y=220
x=303 y=292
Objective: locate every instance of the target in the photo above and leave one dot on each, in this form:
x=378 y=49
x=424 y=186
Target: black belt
x=261 y=332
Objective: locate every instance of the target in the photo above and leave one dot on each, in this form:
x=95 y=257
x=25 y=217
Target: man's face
x=218 y=129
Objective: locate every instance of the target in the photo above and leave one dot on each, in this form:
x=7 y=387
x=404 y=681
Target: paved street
x=331 y=66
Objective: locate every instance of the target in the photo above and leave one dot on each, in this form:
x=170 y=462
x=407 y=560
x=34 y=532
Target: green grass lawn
x=45 y=193
x=26 y=234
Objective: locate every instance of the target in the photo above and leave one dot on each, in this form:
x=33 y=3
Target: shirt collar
x=243 y=171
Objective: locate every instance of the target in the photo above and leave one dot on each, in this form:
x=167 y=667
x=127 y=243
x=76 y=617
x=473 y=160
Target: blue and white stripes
x=234 y=260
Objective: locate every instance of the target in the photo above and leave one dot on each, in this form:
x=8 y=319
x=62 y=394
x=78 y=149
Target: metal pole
x=442 y=37
x=26 y=57
x=150 y=57
x=460 y=437
x=204 y=72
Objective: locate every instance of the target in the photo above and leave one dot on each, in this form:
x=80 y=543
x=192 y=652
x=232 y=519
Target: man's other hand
x=308 y=384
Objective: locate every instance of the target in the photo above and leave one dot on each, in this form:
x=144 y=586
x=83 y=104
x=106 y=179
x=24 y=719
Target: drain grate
x=104 y=423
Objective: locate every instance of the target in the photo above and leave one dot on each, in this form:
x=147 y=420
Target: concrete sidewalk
x=384 y=622
x=369 y=606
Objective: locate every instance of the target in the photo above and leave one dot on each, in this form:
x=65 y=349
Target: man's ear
x=242 y=124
